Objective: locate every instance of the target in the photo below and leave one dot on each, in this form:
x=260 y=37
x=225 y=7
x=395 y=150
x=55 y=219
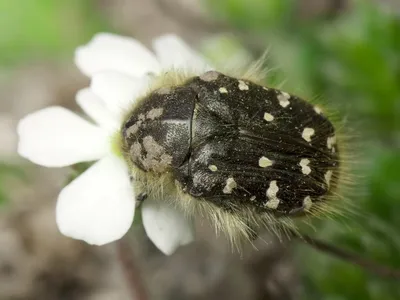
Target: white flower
x=98 y=206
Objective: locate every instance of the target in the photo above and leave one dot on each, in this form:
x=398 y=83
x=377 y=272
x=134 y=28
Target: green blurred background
x=348 y=56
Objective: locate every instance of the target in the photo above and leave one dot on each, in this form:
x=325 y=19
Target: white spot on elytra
x=243 y=86
x=328 y=177
x=230 y=185
x=307 y=133
x=223 y=90
x=331 y=141
x=213 y=168
x=283 y=99
x=305 y=169
x=273 y=201
x=264 y=162
x=252 y=198
x=307 y=203
x=268 y=117
x=265 y=88
x=317 y=109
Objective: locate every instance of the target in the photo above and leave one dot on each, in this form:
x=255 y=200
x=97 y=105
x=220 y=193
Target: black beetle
x=233 y=145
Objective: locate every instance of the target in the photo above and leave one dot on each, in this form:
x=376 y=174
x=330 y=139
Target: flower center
x=116 y=144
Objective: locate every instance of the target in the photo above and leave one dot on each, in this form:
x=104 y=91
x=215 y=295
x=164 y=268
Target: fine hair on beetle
x=244 y=155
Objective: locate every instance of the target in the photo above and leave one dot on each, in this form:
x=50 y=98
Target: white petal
x=97 y=207
x=173 y=52
x=95 y=108
x=56 y=137
x=117 y=90
x=110 y=52
x=166 y=226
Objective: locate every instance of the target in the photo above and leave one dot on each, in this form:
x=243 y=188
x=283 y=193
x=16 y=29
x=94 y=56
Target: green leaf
x=45 y=29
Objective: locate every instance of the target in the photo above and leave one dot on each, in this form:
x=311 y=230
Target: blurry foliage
x=254 y=15
x=353 y=61
x=44 y=29
x=7 y=172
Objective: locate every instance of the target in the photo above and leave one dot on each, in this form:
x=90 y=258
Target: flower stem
x=131 y=272
x=351 y=257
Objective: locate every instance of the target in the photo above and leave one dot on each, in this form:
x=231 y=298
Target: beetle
x=235 y=150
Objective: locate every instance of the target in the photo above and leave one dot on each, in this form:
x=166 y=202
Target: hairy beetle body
x=235 y=144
